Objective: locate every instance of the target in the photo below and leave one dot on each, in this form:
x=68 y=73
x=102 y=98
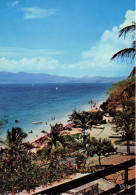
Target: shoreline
x=57 y=107
x=33 y=138
x=34 y=132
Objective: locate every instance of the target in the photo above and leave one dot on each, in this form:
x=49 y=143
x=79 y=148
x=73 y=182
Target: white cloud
x=36 y=12
x=97 y=59
x=28 y=64
x=13 y=4
x=106 y=47
x=130 y=17
x=25 y=52
x=94 y=61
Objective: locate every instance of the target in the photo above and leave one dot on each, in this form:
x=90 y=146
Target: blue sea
x=43 y=102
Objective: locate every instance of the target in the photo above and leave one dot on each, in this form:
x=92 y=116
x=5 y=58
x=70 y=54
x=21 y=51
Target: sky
x=64 y=37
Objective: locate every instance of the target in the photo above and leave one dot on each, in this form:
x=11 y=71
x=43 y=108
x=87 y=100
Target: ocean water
x=42 y=102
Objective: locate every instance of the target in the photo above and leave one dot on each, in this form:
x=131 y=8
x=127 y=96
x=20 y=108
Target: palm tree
x=58 y=143
x=54 y=143
x=82 y=120
x=3 y=121
x=126 y=120
x=14 y=139
x=127 y=53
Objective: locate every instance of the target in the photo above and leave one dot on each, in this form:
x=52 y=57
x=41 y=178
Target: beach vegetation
x=73 y=141
x=126 y=121
x=80 y=160
x=99 y=147
x=82 y=120
x=121 y=93
x=59 y=143
x=14 y=140
x=3 y=121
x=96 y=117
x=118 y=88
x=20 y=170
x=92 y=103
x=54 y=144
x=124 y=90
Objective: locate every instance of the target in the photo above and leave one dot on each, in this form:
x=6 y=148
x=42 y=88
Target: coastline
x=33 y=138
x=51 y=104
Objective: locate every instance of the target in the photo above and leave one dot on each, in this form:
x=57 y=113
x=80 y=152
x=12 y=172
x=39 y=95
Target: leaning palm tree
x=127 y=53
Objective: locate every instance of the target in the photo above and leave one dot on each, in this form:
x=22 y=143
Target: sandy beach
x=63 y=120
x=36 y=137
x=94 y=132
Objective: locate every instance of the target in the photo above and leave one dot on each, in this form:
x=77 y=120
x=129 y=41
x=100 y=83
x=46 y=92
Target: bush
x=20 y=172
x=80 y=160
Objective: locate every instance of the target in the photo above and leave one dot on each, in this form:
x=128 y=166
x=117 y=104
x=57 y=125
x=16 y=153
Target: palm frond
x=59 y=145
x=3 y=142
x=134 y=44
x=127 y=54
x=89 y=123
x=128 y=29
x=52 y=149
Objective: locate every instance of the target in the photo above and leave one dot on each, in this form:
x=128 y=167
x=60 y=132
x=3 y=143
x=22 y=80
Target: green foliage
x=73 y=141
x=82 y=120
x=76 y=136
x=64 y=146
x=14 y=139
x=59 y=144
x=17 y=172
x=117 y=88
x=92 y=103
x=3 y=121
x=127 y=54
x=126 y=121
x=85 y=119
x=55 y=131
x=80 y=160
x=99 y=147
x=54 y=143
x=96 y=117
x=20 y=171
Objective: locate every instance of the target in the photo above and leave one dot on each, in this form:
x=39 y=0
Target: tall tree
x=14 y=139
x=99 y=147
x=54 y=143
x=82 y=120
x=127 y=53
x=126 y=121
x=3 y=121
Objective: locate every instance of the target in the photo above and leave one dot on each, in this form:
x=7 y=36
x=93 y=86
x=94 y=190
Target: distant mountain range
x=22 y=77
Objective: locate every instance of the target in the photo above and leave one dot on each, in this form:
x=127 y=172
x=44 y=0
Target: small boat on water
x=16 y=120
x=37 y=122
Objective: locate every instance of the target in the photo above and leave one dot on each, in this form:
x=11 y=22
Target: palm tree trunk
x=128 y=147
x=84 y=140
x=132 y=73
x=99 y=160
